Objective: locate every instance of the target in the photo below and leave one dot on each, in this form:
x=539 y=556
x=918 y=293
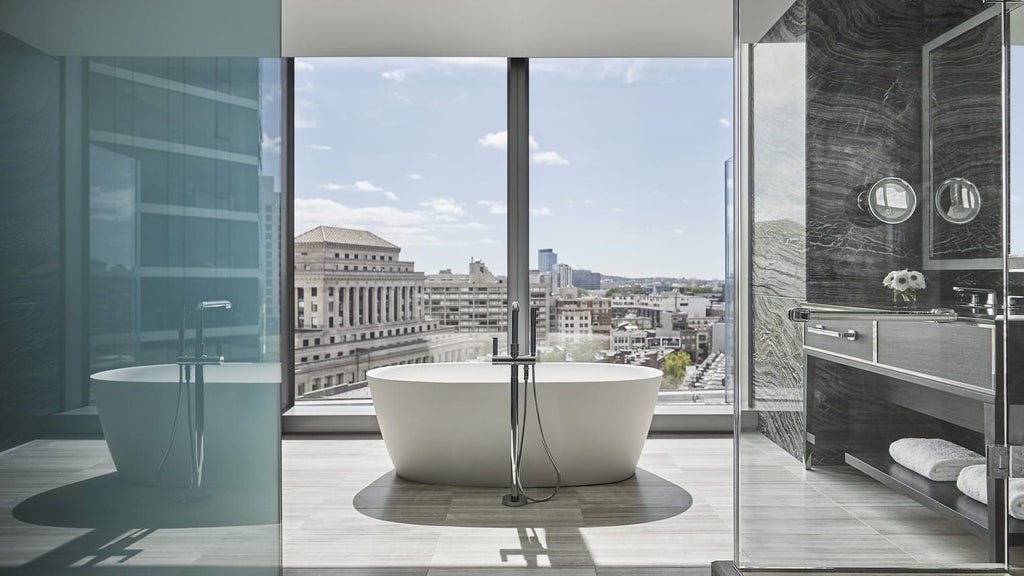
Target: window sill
x=328 y=418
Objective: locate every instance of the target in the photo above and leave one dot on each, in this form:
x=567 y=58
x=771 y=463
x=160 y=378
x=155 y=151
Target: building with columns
x=358 y=306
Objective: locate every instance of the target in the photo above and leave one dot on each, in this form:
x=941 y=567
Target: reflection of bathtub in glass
x=136 y=407
x=449 y=423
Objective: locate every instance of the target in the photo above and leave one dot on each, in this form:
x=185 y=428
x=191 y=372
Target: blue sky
x=626 y=173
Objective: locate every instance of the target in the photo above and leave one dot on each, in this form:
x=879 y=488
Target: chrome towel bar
x=821 y=330
x=800 y=314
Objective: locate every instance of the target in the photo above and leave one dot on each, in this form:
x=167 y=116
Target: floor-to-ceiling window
x=399 y=217
x=400 y=183
x=626 y=179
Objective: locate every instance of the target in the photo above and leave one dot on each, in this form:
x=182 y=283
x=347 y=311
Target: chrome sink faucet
x=975 y=297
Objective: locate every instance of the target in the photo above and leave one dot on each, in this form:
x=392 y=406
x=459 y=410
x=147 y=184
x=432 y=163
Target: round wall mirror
x=957 y=200
x=890 y=200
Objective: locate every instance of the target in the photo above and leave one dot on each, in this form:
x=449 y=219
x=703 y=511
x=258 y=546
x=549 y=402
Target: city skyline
x=414 y=150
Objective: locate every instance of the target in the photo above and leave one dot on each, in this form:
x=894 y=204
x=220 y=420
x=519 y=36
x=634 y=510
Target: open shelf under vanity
x=942 y=498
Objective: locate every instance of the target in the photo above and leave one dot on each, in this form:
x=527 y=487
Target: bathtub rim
x=626 y=372
x=124 y=375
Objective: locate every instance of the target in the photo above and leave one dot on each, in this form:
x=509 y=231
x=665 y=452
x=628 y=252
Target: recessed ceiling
x=461 y=28
x=504 y=28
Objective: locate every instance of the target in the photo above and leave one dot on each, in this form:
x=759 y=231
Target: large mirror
x=962 y=128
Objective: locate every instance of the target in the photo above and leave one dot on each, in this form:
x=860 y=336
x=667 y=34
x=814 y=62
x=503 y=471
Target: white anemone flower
x=901 y=280
x=888 y=279
x=916 y=280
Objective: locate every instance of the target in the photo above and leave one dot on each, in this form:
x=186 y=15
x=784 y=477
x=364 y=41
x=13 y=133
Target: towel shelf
x=941 y=497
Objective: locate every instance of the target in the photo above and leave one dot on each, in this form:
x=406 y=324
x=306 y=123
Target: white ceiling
x=503 y=28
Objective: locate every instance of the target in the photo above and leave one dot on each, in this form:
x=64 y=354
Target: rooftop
x=333 y=235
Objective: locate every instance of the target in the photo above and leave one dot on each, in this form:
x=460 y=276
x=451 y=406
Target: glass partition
x=140 y=188
x=880 y=369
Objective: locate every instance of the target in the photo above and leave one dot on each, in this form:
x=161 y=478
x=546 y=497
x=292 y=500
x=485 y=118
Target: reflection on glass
x=890 y=200
x=957 y=200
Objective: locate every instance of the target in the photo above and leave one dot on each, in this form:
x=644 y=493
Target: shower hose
x=184 y=382
x=543 y=440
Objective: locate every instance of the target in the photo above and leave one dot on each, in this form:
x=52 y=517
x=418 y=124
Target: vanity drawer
x=860 y=348
x=963 y=354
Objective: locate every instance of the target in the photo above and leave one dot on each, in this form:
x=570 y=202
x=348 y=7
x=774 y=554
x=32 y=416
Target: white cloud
x=542 y=211
x=268 y=144
x=402 y=97
x=366 y=186
x=313 y=212
x=444 y=206
x=499 y=140
x=403 y=227
x=619 y=210
x=550 y=158
x=394 y=75
x=360 y=186
x=493 y=207
x=318 y=146
x=487 y=241
x=725 y=122
x=677 y=230
x=414 y=176
x=303 y=65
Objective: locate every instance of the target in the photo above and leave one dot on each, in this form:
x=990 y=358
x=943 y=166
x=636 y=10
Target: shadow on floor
x=104 y=502
x=643 y=498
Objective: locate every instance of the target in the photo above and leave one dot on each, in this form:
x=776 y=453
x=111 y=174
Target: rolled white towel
x=934 y=458
x=972 y=482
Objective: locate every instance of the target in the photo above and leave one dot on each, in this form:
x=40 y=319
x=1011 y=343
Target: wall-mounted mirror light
x=957 y=200
x=891 y=200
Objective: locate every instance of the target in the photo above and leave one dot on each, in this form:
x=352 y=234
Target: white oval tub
x=242 y=403
x=449 y=423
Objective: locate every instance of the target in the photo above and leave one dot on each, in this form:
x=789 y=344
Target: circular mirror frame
x=866 y=200
x=942 y=191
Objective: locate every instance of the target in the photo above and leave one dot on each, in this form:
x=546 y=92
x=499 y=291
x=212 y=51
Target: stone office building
x=358 y=306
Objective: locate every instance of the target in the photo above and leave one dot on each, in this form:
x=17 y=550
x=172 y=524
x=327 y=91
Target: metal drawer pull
x=822 y=331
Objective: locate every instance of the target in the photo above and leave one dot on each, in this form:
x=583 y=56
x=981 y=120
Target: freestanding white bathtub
x=449 y=423
x=242 y=402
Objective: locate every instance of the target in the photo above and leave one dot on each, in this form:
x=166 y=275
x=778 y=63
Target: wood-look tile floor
x=346 y=513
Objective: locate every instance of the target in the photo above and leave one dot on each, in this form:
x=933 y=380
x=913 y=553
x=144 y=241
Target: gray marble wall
x=836 y=105
x=31 y=280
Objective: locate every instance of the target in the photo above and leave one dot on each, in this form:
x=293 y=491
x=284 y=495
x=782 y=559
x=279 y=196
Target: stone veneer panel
x=778 y=197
